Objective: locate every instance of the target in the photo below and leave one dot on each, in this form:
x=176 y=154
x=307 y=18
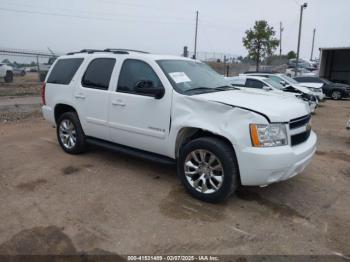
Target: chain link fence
x=23 y=70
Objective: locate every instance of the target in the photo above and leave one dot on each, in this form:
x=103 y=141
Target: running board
x=131 y=151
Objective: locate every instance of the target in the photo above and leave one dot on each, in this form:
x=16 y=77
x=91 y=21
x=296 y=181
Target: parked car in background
x=19 y=71
x=334 y=90
x=177 y=110
x=6 y=72
x=45 y=67
x=292 y=85
x=263 y=84
x=301 y=71
x=302 y=64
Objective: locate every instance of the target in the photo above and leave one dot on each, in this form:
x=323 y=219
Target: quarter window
x=98 y=74
x=134 y=71
x=64 y=71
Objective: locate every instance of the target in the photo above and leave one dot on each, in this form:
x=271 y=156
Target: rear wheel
x=70 y=134
x=208 y=169
x=336 y=95
x=9 y=77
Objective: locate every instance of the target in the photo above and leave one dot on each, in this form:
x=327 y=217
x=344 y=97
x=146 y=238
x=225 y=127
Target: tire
x=210 y=146
x=68 y=125
x=336 y=95
x=9 y=77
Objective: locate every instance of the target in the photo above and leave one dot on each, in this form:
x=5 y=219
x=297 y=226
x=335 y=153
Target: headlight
x=268 y=135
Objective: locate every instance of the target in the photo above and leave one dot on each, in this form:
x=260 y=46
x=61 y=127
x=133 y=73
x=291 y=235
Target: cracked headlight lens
x=268 y=135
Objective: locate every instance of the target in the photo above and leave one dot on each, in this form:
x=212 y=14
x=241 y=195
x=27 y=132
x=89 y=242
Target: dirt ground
x=55 y=203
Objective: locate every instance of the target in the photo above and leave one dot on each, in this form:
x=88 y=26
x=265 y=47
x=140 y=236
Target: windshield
x=289 y=79
x=273 y=83
x=192 y=76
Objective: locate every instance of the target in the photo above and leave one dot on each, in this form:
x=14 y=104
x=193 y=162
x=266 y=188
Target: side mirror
x=147 y=87
x=266 y=88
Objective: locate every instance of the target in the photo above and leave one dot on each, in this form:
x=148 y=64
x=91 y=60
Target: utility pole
x=313 y=44
x=302 y=7
x=195 y=37
x=281 y=30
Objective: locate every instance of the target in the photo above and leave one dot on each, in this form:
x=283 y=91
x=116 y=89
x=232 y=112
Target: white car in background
x=290 y=83
x=263 y=84
x=301 y=72
x=6 y=72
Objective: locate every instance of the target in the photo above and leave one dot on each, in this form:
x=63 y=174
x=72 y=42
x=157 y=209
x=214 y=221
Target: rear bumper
x=263 y=166
x=48 y=114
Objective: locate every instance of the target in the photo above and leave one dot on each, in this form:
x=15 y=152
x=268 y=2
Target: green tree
x=6 y=61
x=291 y=55
x=260 y=41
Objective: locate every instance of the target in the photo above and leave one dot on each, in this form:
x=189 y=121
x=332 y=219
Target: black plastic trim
x=131 y=151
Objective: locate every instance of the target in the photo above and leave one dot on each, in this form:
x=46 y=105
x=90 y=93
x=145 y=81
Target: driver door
x=137 y=119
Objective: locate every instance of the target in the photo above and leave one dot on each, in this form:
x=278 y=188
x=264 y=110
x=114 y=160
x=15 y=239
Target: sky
x=165 y=26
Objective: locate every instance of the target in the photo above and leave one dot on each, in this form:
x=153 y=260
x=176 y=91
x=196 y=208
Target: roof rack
x=124 y=50
x=111 y=50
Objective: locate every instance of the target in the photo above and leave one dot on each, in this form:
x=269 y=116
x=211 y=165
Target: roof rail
x=89 y=51
x=111 y=50
x=124 y=50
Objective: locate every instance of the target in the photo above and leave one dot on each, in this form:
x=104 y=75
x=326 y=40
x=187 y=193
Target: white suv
x=177 y=110
x=6 y=72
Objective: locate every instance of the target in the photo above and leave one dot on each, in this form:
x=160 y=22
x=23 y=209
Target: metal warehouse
x=335 y=64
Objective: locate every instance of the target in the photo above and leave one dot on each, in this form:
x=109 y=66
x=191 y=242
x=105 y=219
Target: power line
x=16 y=5
x=89 y=17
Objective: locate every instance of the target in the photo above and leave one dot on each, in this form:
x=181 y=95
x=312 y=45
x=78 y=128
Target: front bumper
x=263 y=166
x=320 y=96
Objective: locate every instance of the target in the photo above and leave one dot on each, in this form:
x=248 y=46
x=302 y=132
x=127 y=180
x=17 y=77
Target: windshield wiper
x=223 y=88
x=209 y=89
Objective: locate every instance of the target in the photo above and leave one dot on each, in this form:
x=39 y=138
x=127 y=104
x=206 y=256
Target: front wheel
x=208 y=168
x=70 y=134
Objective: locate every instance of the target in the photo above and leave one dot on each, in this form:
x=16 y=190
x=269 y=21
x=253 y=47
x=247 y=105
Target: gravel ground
x=55 y=203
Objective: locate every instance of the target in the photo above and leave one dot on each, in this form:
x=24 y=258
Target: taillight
x=43 y=87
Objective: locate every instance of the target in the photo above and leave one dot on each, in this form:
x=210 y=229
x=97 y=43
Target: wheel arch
x=187 y=134
x=61 y=109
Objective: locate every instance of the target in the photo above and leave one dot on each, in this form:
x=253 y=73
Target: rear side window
x=98 y=74
x=64 y=70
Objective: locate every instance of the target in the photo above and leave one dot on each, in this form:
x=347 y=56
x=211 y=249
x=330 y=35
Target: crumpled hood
x=276 y=107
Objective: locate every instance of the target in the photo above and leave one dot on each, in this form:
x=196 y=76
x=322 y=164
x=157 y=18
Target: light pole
x=281 y=30
x=313 y=44
x=195 y=37
x=302 y=7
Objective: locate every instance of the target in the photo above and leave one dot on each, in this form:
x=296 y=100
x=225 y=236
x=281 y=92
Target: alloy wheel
x=204 y=171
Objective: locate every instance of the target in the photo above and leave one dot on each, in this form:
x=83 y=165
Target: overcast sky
x=165 y=26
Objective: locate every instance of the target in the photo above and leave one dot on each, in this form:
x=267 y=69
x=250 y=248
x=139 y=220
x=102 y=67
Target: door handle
x=80 y=96
x=118 y=103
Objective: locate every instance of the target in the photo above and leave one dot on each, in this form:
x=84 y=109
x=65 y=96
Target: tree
x=291 y=55
x=6 y=61
x=260 y=41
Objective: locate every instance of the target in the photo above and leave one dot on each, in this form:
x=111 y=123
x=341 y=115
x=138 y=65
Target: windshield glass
x=273 y=83
x=187 y=76
x=289 y=79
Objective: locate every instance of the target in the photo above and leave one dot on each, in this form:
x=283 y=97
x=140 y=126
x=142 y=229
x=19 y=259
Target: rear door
x=135 y=119
x=91 y=97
